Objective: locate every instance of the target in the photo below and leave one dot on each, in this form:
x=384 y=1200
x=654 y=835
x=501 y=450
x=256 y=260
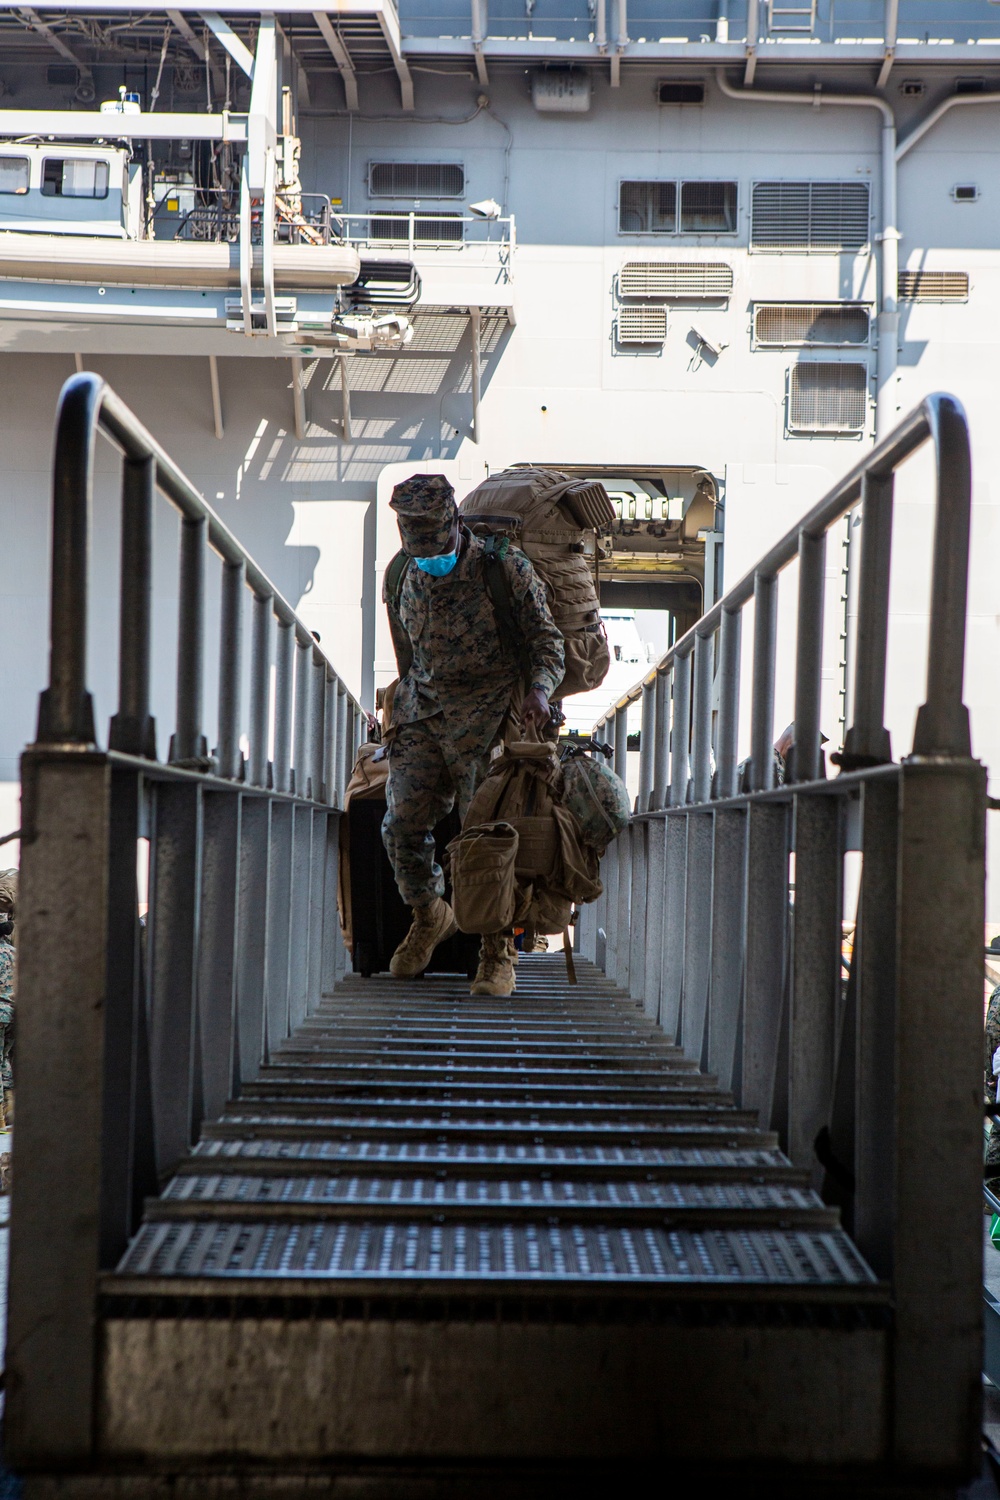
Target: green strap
x=392 y=590
x=502 y=598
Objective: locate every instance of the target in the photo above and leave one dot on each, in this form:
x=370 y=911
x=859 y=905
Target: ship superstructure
x=703 y=250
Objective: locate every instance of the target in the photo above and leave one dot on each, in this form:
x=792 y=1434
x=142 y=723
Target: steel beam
x=341 y=57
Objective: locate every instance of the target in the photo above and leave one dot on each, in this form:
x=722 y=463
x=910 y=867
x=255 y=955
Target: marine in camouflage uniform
x=453 y=697
x=458 y=674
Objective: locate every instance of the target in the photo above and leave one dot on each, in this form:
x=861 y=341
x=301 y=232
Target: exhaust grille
x=642 y=325
x=933 y=286
x=675 y=278
x=779 y=325
x=828 y=398
x=415 y=179
x=818 y=216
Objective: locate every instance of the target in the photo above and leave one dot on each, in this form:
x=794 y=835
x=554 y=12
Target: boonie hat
x=425 y=509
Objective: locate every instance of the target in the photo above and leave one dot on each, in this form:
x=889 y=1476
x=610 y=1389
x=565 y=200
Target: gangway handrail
x=817 y=945
x=943 y=721
x=312 y=724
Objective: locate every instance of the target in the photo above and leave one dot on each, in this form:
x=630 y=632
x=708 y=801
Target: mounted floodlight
x=488 y=209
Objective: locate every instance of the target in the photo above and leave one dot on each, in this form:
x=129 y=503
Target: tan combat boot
x=431 y=925
x=495 y=975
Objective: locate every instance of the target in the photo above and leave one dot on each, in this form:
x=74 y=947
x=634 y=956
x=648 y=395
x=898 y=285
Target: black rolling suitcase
x=379 y=919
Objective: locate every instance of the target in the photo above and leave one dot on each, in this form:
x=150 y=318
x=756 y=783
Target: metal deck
x=410 y=1135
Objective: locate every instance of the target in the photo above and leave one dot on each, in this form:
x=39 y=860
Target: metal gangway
x=711 y=1213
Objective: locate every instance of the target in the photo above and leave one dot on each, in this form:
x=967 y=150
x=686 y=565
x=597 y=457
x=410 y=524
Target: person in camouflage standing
x=991 y=1166
x=457 y=677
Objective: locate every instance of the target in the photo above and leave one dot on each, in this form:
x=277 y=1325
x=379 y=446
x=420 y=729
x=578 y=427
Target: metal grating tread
x=407 y=1250
x=407 y=1137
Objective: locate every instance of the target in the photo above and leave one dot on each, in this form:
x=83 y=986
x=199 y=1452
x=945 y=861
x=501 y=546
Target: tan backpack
x=548 y=515
x=520 y=856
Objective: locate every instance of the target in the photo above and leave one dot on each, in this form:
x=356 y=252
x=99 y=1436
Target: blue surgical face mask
x=438 y=566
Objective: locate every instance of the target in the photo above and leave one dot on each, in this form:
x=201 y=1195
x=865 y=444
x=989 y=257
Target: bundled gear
x=550 y=517
x=596 y=797
x=521 y=856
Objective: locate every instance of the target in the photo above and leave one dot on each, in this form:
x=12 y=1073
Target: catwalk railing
x=131 y=1032
x=724 y=912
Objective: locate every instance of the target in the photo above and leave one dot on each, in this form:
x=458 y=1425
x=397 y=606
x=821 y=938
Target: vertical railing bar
x=284 y=662
x=230 y=669
x=330 y=740
x=731 y=631
x=65 y=710
x=809 y=657
x=765 y=621
x=188 y=742
x=132 y=728
x=621 y=743
x=317 y=728
x=343 y=729
x=680 y=731
x=647 y=742
x=704 y=651
x=661 y=748
x=300 y=735
x=867 y=740
x=260 y=684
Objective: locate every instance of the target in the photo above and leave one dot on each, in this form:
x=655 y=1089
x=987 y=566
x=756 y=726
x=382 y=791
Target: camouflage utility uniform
x=451 y=702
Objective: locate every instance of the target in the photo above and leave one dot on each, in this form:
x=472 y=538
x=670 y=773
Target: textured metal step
x=672 y=1204
x=605 y=1105
x=409 y=1250
x=494 y=1159
x=688 y=1127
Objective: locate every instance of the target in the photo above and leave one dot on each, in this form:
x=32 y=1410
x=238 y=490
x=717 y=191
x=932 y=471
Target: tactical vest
x=548 y=516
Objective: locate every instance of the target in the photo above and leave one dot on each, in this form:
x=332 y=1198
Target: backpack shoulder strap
x=392 y=591
x=498 y=586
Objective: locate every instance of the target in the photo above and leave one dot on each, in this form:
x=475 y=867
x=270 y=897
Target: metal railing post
x=661 y=749
x=704 y=650
x=230 y=756
x=260 y=689
x=132 y=728
x=330 y=742
x=867 y=741
x=621 y=743
x=284 y=663
x=680 y=730
x=647 y=742
x=317 y=728
x=188 y=743
x=730 y=639
x=765 y=626
x=809 y=657
x=66 y=710
x=301 y=735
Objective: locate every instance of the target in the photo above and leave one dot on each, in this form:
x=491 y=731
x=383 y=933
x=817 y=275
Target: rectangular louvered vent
x=779 y=325
x=828 y=397
x=819 y=216
x=675 y=278
x=415 y=179
x=933 y=286
x=642 y=325
x=427 y=230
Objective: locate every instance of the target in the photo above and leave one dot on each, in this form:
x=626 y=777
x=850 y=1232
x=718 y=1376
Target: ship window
x=819 y=216
x=428 y=229
x=415 y=179
x=786 y=324
x=647 y=208
x=827 y=398
x=676 y=92
x=74 y=177
x=14 y=174
x=708 y=207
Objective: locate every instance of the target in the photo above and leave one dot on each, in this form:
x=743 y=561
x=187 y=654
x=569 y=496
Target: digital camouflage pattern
x=450 y=706
x=597 y=798
x=425 y=511
x=427 y=774
x=990 y=1044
